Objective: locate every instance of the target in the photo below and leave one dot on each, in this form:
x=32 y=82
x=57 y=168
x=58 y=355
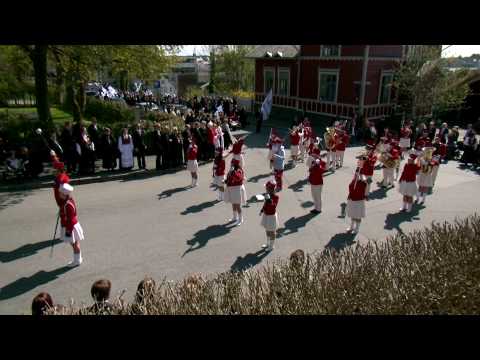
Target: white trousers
x=339 y=157
x=388 y=176
x=317 y=196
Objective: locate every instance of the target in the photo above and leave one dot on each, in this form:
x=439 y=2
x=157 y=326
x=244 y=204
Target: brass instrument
x=329 y=137
x=426 y=158
x=384 y=156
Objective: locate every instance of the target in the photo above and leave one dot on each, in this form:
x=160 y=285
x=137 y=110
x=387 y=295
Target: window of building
x=328 y=85
x=385 y=88
x=283 y=82
x=330 y=50
x=269 y=79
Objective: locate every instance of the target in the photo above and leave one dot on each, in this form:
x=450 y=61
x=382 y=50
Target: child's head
x=65 y=191
x=297 y=258
x=101 y=290
x=41 y=303
x=146 y=289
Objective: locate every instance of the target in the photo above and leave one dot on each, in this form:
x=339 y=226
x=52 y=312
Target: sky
x=454 y=50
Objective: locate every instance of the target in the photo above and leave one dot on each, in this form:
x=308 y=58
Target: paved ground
x=154 y=226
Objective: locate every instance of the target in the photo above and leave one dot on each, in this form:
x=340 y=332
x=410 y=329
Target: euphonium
x=329 y=138
x=426 y=159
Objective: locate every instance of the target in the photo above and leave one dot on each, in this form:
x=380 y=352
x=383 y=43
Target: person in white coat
x=125 y=146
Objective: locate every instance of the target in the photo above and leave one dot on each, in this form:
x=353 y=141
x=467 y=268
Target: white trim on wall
x=265 y=69
x=284 y=69
x=339 y=51
x=328 y=71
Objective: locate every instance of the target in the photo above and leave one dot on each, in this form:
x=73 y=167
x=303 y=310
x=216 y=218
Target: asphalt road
x=156 y=227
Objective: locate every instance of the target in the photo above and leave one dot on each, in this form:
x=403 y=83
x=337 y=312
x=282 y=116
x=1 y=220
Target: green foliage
x=193 y=91
x=426 y=272
x=108 y=112
x=15 y=74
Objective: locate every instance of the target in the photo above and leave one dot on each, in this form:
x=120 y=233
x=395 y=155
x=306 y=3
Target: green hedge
x=108 y=112
x=431 y=271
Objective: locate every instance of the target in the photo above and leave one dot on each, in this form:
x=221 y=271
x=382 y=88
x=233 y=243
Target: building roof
x=275 y=51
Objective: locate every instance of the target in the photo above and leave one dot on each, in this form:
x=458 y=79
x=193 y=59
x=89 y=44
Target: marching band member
x=405 y=134
x=388 y=163
x=61 y=177
x=71 y=230
x=308 y=138
x=192 y=163
x=396 y=153
x=435 y=167
x=278 y=163
x=235 y=193
x=425 y=178
x=408 y=182
x=294 y=145
x=271 y=144
x=422 y=141
x=356 y=198
x=219 y=172
x=341 y=141
x=315 y=179
x=313 y=152
x=269 y=215
x=237 y=151
x=330 y=145
x=368 y=168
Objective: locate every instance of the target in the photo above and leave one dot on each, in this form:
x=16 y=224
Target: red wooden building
x=326 y=80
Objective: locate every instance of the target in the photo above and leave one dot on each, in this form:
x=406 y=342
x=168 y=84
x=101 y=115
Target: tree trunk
x=71 y=99
x=81 y=98
x=39 y=59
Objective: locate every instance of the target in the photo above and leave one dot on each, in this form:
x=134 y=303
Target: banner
x=267 y=106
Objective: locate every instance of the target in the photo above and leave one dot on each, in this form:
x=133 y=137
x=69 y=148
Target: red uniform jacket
x=211 y=135
x=68 y=215
x=356 y=190
x=307 y=132
x=409 y=173
x=340 y=146
x=369 y=166
x=422 y=142
x=235 y=178
x=60 y=179
x=316 y=173
x=237 y=147
x=294 y=138
x=219 y=168
x=441 y=150
x=395 y=153
x=192 y=153
x=270 y=207
x=405 y=132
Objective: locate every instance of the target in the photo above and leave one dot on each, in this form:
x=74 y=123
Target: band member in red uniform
x=368 y=168
x=219 y=172
x=313 y=152
x=61 y=177
x=315 y=179
x=237 y=151
x=341 y=141
x=356 y=198
x=422 y=142
x=436 y=159
x=408 y=182
x=308 y=138
x=294 y=145
x=71 y=231
x=235 y=193
x=269 y=215
x=396 y=153
x=192 y=163
x=270 y=144
x=405 y=135
x=278 y=163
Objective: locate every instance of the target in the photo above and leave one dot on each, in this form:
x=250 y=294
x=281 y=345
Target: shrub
x=431 y=271
x=108 y=112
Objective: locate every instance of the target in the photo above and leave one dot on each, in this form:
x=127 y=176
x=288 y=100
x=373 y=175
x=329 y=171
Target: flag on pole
x=267 y=106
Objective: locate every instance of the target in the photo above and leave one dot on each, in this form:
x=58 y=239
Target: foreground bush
x=107 y=112
x=432 y=271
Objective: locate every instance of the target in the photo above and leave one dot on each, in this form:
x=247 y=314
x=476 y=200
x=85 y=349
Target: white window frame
x=382 y=75
x=335 y=72
x=265 y=70
x=284 y=69
x=331 y=56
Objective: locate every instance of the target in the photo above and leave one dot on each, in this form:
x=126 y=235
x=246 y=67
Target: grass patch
x=59 y=116
x=431 y=271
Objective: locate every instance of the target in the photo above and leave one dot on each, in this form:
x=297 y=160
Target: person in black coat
x=166 y=149
x=186 y=135
x=94 y=134
x=67 y=141
x=259 y=119
x=157 y=146
x=176 y=146
x=139 y=145
x=109 y=150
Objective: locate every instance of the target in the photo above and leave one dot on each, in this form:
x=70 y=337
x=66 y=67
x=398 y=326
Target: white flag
x=267 y=106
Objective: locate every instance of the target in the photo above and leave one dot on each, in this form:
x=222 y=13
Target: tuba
x=329 y=137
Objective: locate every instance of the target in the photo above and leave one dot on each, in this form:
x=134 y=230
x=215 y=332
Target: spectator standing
x=94 y=134
x=139 y=145
x=157 y=146
x=109 y=150
x=432 y=131
x=125 y=146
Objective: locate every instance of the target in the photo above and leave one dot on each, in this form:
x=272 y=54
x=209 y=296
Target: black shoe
x=314 y=211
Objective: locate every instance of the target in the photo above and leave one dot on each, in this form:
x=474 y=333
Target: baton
x=54 y=234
